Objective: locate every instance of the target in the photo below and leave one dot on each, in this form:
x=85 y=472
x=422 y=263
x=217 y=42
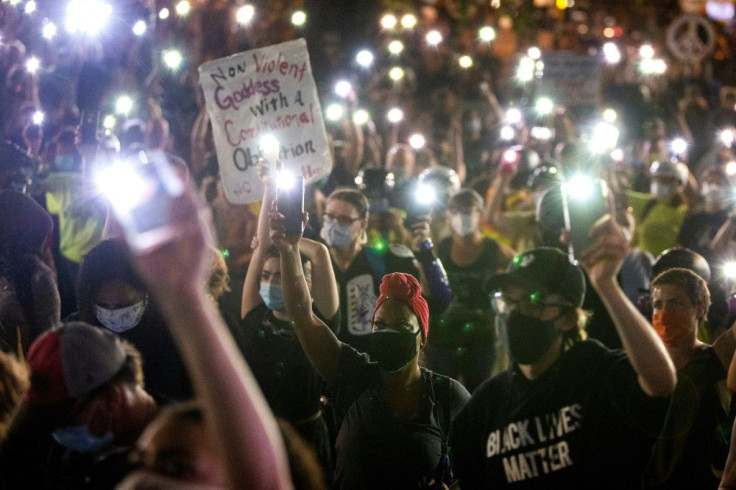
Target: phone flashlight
x=425 y=195
x=269 y=147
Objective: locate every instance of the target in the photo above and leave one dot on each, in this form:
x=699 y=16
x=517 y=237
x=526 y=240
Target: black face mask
x=392 y=350
x=526 y=338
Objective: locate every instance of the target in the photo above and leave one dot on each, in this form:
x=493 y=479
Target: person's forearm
x=493 y=211
x=250 y=297
x=720 y=243
x=436 y=278
x=326 y=297
x=645 y=350
x=245 y=430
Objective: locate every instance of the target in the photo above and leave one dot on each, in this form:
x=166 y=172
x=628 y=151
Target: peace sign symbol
x=690 y=37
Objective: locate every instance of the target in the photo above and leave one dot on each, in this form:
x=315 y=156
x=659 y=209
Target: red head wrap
x=405 y=288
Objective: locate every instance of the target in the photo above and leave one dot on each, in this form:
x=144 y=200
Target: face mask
x=336 y=235
x=473 y=126
x=714 y=193
x=64 y=163
x=146 y=480
x=392 y=350
x=662 y=192
x=81 y=440
x=121 y=319
x=273 y=296
x=526 y=338
x=672 y=327
x=464 y=224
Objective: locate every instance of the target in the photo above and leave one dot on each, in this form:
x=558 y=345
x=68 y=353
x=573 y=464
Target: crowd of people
x=439 y=322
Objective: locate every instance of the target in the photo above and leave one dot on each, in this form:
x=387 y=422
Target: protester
x=569 y=412
x=391 y=415
x=86 y=401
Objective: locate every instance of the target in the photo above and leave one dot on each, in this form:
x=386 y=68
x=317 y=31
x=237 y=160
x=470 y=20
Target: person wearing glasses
x=569 y=412
x=359 y=268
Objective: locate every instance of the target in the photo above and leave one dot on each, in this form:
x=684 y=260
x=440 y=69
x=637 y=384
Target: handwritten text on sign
x=265 y=91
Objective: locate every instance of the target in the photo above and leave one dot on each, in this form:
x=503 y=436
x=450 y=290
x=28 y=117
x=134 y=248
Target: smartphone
x=584 y=204
x=290 y=202
x=141 y=191
x=88 y=125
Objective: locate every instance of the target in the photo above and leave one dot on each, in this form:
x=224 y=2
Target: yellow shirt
x=660 y=228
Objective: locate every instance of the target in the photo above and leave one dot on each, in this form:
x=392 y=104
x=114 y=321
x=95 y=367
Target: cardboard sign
x=570 y=80
x=266 y=91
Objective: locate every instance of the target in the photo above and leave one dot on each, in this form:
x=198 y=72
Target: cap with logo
x=545 y=270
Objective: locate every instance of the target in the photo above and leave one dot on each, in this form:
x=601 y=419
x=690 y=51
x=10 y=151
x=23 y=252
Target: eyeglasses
x=532 y=304
x=341 y=218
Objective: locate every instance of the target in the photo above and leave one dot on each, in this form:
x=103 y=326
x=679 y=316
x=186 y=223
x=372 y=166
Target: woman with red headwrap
x=392 y=416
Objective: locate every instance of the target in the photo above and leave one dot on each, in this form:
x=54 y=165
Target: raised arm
x=244 y=430
x=326 y=297
x=494 y=213
x=251 y=285
x=647 y=354
x=319 y=343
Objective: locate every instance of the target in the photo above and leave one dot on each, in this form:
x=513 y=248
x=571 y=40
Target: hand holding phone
x=290 y=201
x=585 y=203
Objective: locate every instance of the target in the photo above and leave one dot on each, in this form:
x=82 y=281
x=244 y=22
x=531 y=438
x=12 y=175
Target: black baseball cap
x=546 y=270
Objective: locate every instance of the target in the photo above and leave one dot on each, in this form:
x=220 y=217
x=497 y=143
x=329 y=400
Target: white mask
x=464 y=224
x=148 y=480
x=121 y=319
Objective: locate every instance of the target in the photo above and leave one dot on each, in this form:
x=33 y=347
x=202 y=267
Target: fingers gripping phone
x=290 y=201
x=585 y=203
x=88 y=127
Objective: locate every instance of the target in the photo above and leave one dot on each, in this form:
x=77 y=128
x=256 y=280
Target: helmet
x=550 y=215
x=443 y=180
x=546 y=174
x=681 y=257
x=669 y=168
x=528 y=161
x=376 y=183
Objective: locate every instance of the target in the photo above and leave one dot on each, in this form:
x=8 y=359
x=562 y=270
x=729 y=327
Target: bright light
x=659 y=66
x=534 y=53
x=678 y=146
x=285 y=179
x=395 y=47
x=604 y=137
x=87 y=16
x=507 y=133
x=609 y=32
x=361 y=116
x=122 y=185
x=542 y=133
x=510 y=156
x=544 y=106
x=433 y=38
x=38 y=117
x=298 y=18
x=388 y=21
x=140 y=27
x=124 y=105
x=30 y=7
x=172 y=59
x=646 y=51
x=465 y=61
x=109 y=122
x=726 y=137
x=611 y=53
x=513 y=116
x=609 y=115
x=244 y=15
x=343 y=88
x=334 y=112
x=579 y=187
x=364 y=58
x=183 y=8
x=525 y=70
x=617 y=155
x=408 y=21
x=731 y=168
x=487 y=34
x=395 y=115
x=269 y=147
x=164 y=13
x=12 y=2
x=729 y=270
x=49 y=30
x=425 y=194
x=33 y=64
x=417 y=141
x=396 y=73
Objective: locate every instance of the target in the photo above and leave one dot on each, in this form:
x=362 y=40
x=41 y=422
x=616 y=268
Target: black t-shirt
x=585 y=423
x=469 y=318
x=374 y=448
x=358 y=288
x=289 y=382
x=695 y=440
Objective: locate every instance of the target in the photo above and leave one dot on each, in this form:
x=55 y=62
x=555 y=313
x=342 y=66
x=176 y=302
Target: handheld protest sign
x=267 y=92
